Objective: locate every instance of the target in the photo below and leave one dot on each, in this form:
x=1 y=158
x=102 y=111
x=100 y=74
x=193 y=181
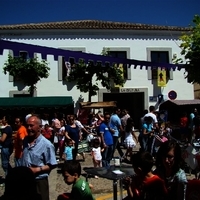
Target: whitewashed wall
x=94 y=44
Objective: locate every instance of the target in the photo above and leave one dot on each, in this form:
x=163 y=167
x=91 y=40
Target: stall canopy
x=176 y=108
x=16 y=47
x=105 y=104
x=35 y=102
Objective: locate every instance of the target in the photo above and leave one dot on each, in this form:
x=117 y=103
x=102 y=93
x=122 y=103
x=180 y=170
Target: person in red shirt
x=184 y=131
x=47 y=132
x=144 y=185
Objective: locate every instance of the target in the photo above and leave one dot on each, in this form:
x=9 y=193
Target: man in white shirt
x=152 y=115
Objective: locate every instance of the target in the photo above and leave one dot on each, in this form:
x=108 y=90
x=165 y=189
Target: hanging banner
x=161 y=76
x=120 y=66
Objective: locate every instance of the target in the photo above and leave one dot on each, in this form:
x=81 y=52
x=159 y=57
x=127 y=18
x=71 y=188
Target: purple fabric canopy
x=16 y=47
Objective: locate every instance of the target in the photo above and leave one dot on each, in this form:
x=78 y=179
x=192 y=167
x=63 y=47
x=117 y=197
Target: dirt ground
x=57 y=185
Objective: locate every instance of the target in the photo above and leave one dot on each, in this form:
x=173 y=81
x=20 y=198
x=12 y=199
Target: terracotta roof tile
x=91 y=24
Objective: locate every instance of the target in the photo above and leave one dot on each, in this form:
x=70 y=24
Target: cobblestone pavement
x=57 y=185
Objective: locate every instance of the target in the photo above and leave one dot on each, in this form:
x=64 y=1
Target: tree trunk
x=89 y=92
x=32 y=88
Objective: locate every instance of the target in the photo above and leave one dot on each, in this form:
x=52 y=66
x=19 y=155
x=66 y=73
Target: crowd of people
x=37 y=140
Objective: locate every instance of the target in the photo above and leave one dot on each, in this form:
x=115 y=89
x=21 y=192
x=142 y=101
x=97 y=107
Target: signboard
x=129 y=90
x=161 y=77
x=172 y=95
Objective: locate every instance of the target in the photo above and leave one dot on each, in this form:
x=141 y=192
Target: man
x=20 y=134
x=151 y=114
x=38 y=155
x=155 y=126
x=107 y=141
x=115 y=124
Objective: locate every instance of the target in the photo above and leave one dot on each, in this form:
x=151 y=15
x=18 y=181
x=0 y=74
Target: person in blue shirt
x=38 y=155
x=68 y=155
x=115 y=124
x=107 y=141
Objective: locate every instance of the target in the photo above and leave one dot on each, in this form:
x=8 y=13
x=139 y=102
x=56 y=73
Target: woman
x=146 y=133
x=129 y=135
x=168 y=167
x=73 y=132
x=7 y=145
x=61 y=138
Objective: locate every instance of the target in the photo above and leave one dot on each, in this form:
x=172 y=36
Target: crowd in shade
x=39 y=143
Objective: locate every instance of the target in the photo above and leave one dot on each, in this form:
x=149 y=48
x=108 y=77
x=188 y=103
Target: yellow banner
x=162 y=82
x=120 y=66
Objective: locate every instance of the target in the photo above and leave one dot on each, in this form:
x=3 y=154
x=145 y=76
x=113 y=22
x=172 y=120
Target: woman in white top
x=129 y=137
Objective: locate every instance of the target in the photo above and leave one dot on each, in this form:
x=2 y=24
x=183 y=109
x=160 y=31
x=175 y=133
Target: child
x=80 y=188
x=129 y=135
x=96 y=153
x=68 y=150
x=144 y=185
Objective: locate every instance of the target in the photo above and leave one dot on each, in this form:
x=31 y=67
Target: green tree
x=29 y=71
x=190 y=49
x=83 y=74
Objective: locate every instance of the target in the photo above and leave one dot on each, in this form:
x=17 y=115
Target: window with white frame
x=121 y=53
x=159 y=55
x=24 y=55
x=65 y=66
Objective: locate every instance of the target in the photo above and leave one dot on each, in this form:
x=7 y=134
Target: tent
x=175 y=108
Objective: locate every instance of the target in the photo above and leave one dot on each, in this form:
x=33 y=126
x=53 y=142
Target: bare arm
x=134 y=135
x=3 y=137
x=41 y=169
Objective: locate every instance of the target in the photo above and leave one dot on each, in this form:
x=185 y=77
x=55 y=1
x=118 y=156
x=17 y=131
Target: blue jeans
x=18 y=162
x=116 y=145
x=5 y=159
x=107 y=156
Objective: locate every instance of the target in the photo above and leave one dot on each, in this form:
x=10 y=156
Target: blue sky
x=157 y=12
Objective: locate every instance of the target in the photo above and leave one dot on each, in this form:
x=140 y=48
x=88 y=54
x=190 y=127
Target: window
x=64 y=66
x=120 y=54
x=24 y=55
x=159 y=57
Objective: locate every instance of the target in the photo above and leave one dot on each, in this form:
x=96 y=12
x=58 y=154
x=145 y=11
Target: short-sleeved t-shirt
x=148 y=127
x=153 y=116
x=81 y=190
x=68 y=152
x=20 y=135
x=108 y=139
x=115 y=122
x=8 y=141
x=73 y=133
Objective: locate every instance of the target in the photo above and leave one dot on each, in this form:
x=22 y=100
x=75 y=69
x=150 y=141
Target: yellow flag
x=122 y=73
x=161 y=76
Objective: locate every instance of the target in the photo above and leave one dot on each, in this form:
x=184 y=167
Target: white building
x=133 y=41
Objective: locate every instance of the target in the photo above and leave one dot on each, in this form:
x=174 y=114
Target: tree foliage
x=83 y=74
x=29 y=71
x=190 y=49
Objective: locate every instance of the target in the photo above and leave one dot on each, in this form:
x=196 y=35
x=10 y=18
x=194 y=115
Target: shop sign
x=129 y=90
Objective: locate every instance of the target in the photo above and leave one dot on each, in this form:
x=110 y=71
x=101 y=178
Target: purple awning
x=16 y=47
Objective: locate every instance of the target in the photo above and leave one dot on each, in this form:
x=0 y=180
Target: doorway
x=133 y=102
